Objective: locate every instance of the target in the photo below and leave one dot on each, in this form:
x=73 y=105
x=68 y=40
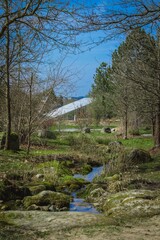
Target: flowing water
x=79 y=204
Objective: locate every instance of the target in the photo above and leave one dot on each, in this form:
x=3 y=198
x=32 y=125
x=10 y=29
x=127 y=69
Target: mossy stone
x=86 y=169
x=138 y=156
x=133 y=203
x=37 y=189
x=10 y=191
x=13 y=143
x=45 y=198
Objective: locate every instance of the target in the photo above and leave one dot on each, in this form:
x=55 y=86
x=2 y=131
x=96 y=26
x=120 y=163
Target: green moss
x=130 y=199
x=70 y=183
x=56 y=167
x=37 y=189
x=58 y=200
x=86 y=168
x=10 y=191
x=103 y=140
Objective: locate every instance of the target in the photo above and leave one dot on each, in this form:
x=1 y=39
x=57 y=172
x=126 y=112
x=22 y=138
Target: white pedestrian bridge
x=69 y=107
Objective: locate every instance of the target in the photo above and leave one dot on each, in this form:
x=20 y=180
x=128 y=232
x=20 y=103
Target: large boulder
x=133 y=203
x=14 y=142
x=42 y=186
x=11 y=191
x=138 y=156
x=48 y=198
x=86 y=130
x=106 y=130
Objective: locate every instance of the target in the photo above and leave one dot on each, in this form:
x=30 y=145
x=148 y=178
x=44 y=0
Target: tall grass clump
x=80 y=141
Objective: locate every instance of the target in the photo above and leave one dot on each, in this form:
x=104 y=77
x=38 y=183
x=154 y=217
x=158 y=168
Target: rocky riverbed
x=36 y=205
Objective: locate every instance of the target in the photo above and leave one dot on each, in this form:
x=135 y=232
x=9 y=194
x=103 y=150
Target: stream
x=79 y=204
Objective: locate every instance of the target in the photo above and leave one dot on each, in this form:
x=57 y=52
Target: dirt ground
x=76 y=226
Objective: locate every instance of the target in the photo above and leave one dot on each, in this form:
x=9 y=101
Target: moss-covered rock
x=71 y=184
x=45 y=198
x=11 y=191
x=96 y=193
x=138 y=156
x=123 y=160
x=133 y=203
x=37 y=189
x=86 y=168
x=11 y=205
x=13 y=142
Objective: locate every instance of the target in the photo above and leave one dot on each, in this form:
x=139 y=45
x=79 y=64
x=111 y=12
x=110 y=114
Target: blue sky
x=82 y=66
x=85 y=64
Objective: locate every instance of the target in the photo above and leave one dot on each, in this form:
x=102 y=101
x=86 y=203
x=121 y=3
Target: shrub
x=134 y=132
x=79 y=141
x=104 y=141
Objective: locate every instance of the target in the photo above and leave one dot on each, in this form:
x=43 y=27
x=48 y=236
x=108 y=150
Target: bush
x=46 y=134
x=79 y=141
x=127 y=161
x=104 y=141
x=134 y=132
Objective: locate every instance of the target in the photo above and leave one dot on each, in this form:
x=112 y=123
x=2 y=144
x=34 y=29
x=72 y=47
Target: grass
x=151 y=170
x=62 y=150
x=15 y=161
x=152 y=176
x=64 y=126
x=64 y=144
x=138 y=142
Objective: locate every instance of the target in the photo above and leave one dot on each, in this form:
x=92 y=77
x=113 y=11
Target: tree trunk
x=157 y=128
x=126 y=125
x=153 y=126
x=8 y=100
x=30 y=114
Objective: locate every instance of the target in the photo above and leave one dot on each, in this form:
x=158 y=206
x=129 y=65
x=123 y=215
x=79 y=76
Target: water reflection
x=79 y=204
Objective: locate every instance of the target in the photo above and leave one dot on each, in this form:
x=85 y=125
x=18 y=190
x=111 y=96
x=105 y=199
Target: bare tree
x=123 y=15
x=28 y=27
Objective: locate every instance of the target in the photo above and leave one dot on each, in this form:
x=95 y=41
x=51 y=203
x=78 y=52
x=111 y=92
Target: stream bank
x=79 y=204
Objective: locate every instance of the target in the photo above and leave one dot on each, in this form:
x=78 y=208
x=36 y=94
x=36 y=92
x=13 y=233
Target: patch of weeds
x=153 y=176
x=59 y=168
x=103 y=140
